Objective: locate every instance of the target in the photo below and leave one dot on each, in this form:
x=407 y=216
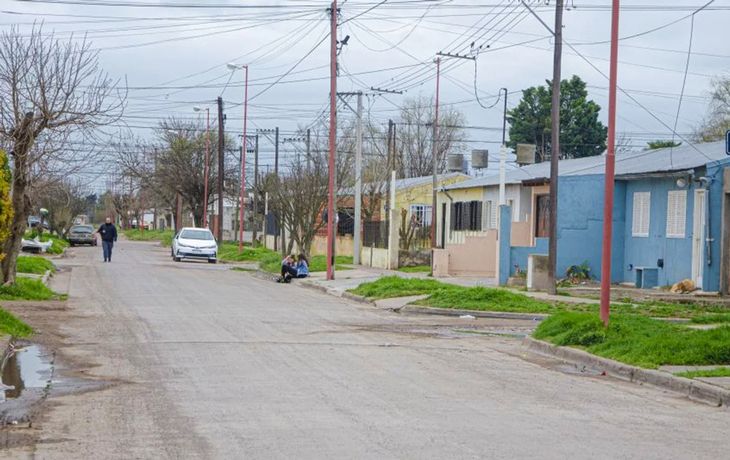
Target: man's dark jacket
x=108 y=232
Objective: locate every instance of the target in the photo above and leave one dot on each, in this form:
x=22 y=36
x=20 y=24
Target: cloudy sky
x=173 y=54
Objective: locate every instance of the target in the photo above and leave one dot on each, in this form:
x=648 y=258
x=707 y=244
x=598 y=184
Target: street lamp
x=207 y=163
x=233 y=68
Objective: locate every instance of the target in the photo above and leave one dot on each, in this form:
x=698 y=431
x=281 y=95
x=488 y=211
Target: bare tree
x=414 y=135
x=53 y=94
x=717 y=121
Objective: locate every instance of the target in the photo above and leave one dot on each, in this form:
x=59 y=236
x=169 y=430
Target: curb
x=7 y=345
x=336 y=293
x=45 y=277
x=474 y=313
x=694 y=390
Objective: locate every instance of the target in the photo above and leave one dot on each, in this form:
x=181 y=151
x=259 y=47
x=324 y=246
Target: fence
x=375 y=234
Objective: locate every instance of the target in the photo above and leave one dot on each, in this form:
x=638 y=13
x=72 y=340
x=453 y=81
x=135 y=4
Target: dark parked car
x=81 y=234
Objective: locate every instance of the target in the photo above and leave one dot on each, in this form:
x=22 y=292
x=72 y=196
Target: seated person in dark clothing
x=288 y=270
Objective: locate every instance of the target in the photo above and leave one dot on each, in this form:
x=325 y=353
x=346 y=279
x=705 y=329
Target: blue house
x=671 y=217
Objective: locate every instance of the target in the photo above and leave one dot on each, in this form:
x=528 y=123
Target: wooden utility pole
x=332 y=144
x=610 y=169
x=555 y=147
x=255 y=189
x=435 y=153
x=221 y=169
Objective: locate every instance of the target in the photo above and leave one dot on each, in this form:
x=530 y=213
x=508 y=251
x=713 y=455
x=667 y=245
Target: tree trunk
x=22 y=207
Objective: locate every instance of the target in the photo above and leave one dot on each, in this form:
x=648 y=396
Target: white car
x=194 y=243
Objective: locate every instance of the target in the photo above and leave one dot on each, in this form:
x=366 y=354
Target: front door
x=542 y=216
x=698 y=238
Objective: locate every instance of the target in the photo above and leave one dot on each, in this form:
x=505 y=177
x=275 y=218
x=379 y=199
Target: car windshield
x=197 y=235
x=82 y=228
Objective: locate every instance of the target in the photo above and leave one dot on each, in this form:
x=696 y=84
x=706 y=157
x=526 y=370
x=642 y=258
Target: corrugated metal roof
x=410 y=182
x=649 y=161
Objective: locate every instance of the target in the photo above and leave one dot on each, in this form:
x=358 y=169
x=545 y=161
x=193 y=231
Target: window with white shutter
x=676 y=213
x=492 y=210
x=640 y=215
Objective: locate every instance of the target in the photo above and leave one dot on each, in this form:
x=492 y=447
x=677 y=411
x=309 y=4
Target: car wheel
x=212 y=261
x=72 y=244
x=176 y=259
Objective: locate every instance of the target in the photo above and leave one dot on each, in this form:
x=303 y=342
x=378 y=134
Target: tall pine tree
x=581 y=133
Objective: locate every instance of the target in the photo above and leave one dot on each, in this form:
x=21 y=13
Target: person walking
x=108 y=233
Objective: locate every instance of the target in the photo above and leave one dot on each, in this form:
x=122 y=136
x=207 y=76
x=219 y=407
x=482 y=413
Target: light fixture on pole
x=207 y=163
x=233 y=68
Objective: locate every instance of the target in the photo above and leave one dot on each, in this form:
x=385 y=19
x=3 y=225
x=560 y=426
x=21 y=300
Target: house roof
x=649 y=161
x=410 y=182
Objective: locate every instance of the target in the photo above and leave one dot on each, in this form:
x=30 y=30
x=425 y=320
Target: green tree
x=654 y=145
x=581 y=133
x=6 y=203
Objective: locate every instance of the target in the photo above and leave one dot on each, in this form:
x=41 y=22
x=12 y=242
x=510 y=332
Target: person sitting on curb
x=287 y=270
x=302 y=267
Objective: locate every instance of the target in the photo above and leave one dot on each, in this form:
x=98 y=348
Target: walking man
x=108 y=233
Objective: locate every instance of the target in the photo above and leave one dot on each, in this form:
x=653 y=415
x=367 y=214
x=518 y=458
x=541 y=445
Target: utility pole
x=332 y=143
x=244 y=147
x=610 y=169
x=435 y=155
x=309 y=147
x=221 y=167
x=504 y=119
x=555 y=147
x=255 y=189
x=358 y=184
x=276 y=152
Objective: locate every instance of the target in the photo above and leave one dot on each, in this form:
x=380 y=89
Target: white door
x=698 y=238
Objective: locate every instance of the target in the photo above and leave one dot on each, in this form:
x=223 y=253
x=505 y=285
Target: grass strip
x=637 y=340
x=416 y=269
x=444 y=295
x=718 y=372
x=163 y=236
x=28 y=289
x=11 y=325
x=34 y=264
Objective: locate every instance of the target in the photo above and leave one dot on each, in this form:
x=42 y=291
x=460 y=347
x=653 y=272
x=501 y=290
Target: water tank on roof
x=455 y=162
x=479 y=159
x=525 y=154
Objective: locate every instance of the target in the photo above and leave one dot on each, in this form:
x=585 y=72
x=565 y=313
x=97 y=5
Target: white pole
x=358 y=184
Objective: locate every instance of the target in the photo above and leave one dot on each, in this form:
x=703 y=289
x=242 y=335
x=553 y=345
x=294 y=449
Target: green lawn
x=416 y=269
x=395 y=286
x=718 y=372
x=638 y=340
x=444 y=295
x=228 y=252
x=34 y=264
x=11 y=325
x=163 y=236
x=28 y=289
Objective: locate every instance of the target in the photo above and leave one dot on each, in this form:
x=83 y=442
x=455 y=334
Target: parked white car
x=194 y=243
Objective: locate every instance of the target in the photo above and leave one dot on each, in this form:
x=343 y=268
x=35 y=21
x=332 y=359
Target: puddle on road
x=27 y=368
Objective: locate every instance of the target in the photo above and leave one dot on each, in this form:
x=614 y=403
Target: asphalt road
x=210 y=363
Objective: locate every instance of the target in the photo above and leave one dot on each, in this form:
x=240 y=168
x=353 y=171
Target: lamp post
x=234 y=67
x=207 y=164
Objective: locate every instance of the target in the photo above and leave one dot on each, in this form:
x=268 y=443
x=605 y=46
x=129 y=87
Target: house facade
x=670 y=217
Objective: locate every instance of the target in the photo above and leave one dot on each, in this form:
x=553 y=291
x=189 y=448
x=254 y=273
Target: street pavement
x=205 y=362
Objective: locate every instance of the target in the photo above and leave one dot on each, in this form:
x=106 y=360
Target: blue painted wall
x=711 y=275
x=580 y=224
x=646 y=251
x=580 y=229
x=503 y=244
